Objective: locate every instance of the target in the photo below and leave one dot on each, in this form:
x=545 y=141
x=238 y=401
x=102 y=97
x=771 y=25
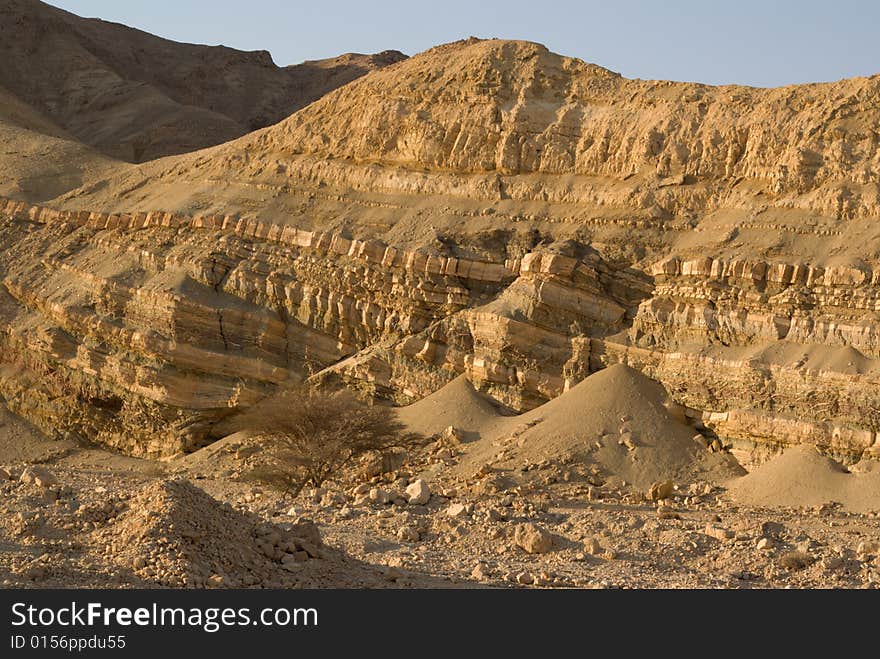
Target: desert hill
x=136 y=97
x=432 y=146
x=38 y=159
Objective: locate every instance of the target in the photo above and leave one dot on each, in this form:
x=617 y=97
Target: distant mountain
x=137 y=97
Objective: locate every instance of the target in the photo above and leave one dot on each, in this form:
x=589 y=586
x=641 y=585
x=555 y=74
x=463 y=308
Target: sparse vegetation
x=308 y=435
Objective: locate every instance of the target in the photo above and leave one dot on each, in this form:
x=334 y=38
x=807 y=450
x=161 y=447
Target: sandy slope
x=802 y=477
x=616 y=419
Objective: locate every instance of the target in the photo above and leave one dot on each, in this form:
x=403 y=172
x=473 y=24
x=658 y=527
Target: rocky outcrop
x=144 y=331
x=110 y=319
x=748 y=302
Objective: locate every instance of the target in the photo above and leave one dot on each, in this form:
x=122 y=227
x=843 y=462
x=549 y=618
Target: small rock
x=380 y=496
x=532 y=538
x=795 y=560
x=772 y=529
x=868 y=548
x=718 y=532
x=408 y=534
x=306 y=530
x=661 y=490
x=524 y=578
x=39 y=476
x=451 y=433
x=456 y=510
x=804 y=546
x=592 y=547
x=480 y=571
x=216 y=581
x=332 y=499
x=444 y=454
x=5 y=475
x=627 y=440
x=418 y=493
x=392 y=573
x=764 y=544
x=363 y=488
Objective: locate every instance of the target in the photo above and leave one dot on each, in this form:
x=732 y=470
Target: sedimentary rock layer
x=144 y=331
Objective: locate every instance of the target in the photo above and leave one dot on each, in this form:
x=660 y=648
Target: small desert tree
x=308 y=435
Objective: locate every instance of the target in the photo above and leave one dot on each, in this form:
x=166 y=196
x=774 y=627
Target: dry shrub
x=308 y=435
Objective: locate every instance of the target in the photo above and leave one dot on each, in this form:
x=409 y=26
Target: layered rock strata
x=143 y=331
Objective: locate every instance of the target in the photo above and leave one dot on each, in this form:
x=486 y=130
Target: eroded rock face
x=145 y=331
x=506 y=132
x=487 y=208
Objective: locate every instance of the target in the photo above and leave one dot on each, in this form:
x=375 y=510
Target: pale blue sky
x=764 y=43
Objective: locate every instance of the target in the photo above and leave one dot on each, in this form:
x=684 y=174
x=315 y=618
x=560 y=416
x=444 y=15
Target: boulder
x=661 y=490
x=532 y=538
x=418 y=493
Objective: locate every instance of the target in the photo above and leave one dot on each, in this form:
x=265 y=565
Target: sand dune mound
x=457 y=404
x=178 y=534
x=625 y=422
x=617 y=419
x=803 y=477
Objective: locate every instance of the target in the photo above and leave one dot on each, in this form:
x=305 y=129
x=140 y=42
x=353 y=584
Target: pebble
x=718 y=532
x=524 y=578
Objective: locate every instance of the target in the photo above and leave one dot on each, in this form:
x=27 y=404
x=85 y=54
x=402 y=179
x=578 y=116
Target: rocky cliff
x=487 y=208
x=145 y=331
